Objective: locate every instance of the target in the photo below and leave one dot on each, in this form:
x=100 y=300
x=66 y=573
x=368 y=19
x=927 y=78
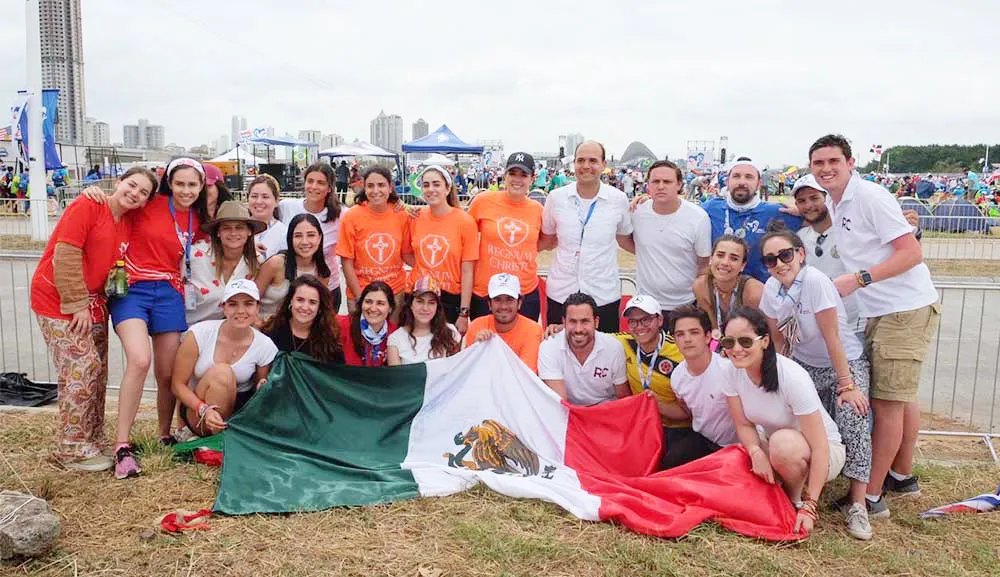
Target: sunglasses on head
x=786 y=255
x=744 y=342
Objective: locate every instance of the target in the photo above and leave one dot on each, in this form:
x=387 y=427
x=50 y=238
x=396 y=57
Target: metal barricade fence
x=960 y=380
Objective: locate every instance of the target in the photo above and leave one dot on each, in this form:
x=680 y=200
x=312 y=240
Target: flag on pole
x=318 y=436
x=876 y=149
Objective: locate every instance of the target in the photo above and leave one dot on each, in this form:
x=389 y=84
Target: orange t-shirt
x=375 y=241
x=508 y=239
x=524 y=339
x=440 y=244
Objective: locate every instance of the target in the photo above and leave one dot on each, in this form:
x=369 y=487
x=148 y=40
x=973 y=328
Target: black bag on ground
x=17 y=390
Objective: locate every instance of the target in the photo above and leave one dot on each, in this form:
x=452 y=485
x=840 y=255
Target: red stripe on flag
x=614 y=448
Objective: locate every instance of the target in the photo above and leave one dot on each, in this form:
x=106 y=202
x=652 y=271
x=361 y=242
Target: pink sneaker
x=125 y=464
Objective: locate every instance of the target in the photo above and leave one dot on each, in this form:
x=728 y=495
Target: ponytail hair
x=778 y=229
x=769 y=363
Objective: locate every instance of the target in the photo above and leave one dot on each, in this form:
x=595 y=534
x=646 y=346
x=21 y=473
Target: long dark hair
x=443 y=341
x=324 y=334
x=224 y=195
x=322 y=269
x=384 y=173
x=374 y=286
x=332 y=202
x=200 y=203
x=769 y=363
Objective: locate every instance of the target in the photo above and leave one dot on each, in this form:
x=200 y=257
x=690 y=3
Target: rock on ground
x=28 y=527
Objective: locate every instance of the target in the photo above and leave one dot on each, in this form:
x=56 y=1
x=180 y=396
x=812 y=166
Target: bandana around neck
x=750 y=205
x=374 y=338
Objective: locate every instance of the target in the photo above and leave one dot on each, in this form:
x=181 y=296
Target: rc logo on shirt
x=845 y=223
x=496 y=448
x=600 y=373
x=512 y=231
x=380 y=246
x=434 y=249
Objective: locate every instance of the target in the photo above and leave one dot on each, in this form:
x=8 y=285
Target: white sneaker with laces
x=93 y=464
x=857 y=522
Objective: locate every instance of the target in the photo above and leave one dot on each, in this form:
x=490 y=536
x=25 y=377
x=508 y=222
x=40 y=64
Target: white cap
x=504 y=284
x=645 y=303
x=807 y=181
x=241 y=286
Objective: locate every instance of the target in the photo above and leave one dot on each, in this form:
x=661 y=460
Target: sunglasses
x=819 y=244
x=785 y=255
x=745 y=342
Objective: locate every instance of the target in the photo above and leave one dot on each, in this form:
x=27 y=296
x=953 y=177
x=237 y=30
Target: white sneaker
x=857 y=522
x=93 y=464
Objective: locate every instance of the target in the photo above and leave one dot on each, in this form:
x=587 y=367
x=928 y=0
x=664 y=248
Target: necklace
x=298 y=343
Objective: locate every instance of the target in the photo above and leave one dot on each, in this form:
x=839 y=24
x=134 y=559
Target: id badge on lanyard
x=190 y=296
x=583 y=220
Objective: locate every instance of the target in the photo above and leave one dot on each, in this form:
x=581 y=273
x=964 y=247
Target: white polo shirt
x=703 y=396
x=667 y=247
x=594 y=381
x=831 y=265
x=586 y=259
x=814 y=294
x=867 y=219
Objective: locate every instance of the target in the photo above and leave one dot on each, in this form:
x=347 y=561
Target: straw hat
x=232 y=210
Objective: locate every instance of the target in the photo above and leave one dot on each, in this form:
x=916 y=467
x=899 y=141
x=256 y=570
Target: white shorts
x=838 y=455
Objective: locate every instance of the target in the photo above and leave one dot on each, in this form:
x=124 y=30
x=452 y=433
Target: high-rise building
x=130 y=136
x=331 y=140
x=143 y=135
x=420 y=129
x=239 y=124
x=154 y=137
x=62 y=66
x=572 y=141
x=387 y=131
x=96 y=133
x=313 y=136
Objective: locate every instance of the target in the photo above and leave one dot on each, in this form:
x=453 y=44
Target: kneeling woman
x=221 y=364
x=765 y=389
x=365 y=333
x=305 y=322
x=424 y=332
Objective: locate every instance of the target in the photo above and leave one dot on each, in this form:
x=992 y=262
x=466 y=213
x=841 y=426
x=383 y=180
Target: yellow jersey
x=637 y=367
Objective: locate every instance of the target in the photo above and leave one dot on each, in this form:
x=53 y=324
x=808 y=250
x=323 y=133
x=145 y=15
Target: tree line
x=935 y=158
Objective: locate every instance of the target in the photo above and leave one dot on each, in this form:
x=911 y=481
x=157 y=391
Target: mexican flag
x=318 y=436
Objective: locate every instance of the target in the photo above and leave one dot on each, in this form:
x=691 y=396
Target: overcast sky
x=772 y=75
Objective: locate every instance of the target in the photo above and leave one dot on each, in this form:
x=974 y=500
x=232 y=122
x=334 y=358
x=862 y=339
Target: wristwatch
x=864 y=278
x=463 y=312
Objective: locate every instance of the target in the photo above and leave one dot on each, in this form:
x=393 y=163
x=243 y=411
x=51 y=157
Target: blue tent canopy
x=282 y=141
x=442 y=140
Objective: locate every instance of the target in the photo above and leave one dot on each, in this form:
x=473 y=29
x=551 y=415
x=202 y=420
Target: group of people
x=784 y=329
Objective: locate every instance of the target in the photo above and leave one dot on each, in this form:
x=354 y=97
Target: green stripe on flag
x=319 y=436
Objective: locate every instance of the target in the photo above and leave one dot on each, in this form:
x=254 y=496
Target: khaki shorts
x=897 y=344
x=838 y=455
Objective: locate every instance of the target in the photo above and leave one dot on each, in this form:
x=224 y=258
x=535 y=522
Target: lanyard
x=584 y=220
x=180 y=236
x=645 y=378
x=733 y=296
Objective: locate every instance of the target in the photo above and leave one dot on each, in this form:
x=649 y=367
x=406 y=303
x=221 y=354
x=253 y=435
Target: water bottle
x=117 y=283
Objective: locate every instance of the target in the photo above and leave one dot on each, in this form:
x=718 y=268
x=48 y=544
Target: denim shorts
x=156 y=302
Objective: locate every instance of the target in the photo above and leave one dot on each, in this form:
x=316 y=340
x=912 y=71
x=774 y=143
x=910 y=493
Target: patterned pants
x=82 y=363
x=854 y=428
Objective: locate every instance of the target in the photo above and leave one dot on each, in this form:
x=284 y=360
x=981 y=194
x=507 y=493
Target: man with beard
x=522 y=335
x=741 y=212
x=581 y=365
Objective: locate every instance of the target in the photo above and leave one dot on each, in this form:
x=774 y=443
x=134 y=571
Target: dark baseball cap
x=521 y=160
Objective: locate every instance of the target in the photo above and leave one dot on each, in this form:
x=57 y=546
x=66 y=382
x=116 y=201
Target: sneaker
x=125 y=464
x=877 y=510
x=908 y=488
x=857 y=521
x=168 y=440
x=97 y=463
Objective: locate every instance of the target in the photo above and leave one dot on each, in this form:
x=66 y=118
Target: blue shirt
x=753 y=223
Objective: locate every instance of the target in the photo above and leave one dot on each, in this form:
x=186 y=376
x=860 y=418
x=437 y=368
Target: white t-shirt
x=867 y=220
x=831 y=265
x=796 y=396
x=275 y=238
x=594 y=381
x=703 y=396
x=667 y=247
x=817 y=294
x=586 y=259
x=290 y=207
x=408 y=354
x=260 y=354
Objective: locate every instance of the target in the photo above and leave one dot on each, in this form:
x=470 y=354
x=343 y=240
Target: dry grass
x=476 y=533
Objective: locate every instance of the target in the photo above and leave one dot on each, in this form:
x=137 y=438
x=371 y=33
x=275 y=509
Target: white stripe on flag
x=488 y=382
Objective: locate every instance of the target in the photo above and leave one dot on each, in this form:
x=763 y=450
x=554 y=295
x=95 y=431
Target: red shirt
x=90 y=227
x=155 y=251
x=351 y=356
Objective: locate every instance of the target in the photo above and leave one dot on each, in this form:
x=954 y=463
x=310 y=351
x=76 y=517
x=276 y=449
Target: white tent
x=437 y=159
x=244 y=157
x=356 y=148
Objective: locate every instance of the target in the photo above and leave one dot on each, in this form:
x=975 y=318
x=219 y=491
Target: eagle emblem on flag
x=495 y=448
